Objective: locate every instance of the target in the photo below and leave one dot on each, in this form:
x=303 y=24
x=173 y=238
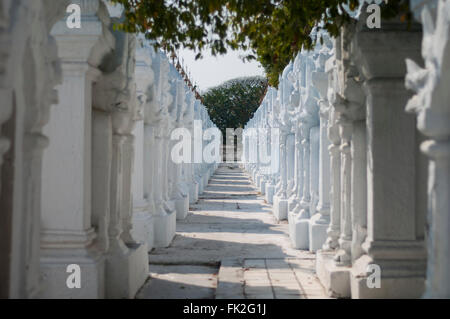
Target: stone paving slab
x=180 y=282
x=230 y=280
x=233 y=227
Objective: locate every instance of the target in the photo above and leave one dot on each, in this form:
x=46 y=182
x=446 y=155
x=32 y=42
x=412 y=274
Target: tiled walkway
x=281 y=279
x=231 y=246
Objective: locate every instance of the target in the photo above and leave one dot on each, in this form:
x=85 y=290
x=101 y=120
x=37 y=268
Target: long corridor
x=231 y=246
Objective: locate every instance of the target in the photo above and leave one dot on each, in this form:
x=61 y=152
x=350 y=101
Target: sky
x=211 y=71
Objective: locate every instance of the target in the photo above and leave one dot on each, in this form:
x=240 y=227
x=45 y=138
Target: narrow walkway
x=231 y=246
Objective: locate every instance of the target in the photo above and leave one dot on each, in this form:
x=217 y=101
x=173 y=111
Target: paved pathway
x=231 y=246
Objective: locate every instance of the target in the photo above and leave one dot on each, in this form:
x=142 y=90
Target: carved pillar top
x=320 y=81
x=144 y=76
x=387 y=60
x=156 y=109
x=188 y=116
x=93 y=40
x=333 y=128
x=284 y=93
x=48 y=71
x=181 y=103
x=115 y=91
x=349 y=96
x=175 y=88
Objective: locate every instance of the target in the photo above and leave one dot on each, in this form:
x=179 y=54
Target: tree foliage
x=273 y=30
x=232 y=104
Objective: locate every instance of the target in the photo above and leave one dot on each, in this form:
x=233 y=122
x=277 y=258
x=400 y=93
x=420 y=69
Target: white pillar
x=29 y=72
x=321 y=220
x=299 y=217
x=290 y=164
x=68 y=236
x=143 y=221
x=178 y=191
x=156 y=115
x=359 y=188
x=280 y=199
x=115 y=93
x=334 y=228
x=394 y=228
x=295 y=198
x=343 y=256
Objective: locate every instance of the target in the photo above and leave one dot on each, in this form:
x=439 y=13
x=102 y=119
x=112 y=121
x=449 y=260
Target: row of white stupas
x=86 y=173
x=358 y=164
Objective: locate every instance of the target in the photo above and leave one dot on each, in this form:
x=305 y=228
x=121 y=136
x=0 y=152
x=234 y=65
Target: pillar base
x=270 y=191
x=201 y=186
x=395 y=283
x=317 y=233
x=335 y=280
x=262 y=187
x=182 y=207
x=126 y=271
x=193 y=193
x=143 y=226
x=280 y=208
x=298 y=231
x=292 y=203
x=165 y=228
x=54 y=273
x=205 y=180
x=258 y=179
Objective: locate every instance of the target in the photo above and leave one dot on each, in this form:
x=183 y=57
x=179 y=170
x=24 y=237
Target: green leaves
x=232 y=104
x=274 y=30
